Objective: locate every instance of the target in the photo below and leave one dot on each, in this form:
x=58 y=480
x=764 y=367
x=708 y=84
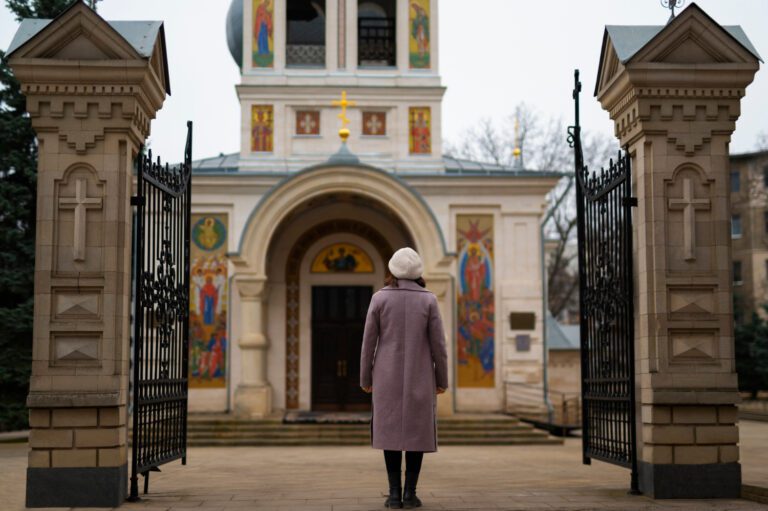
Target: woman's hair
x=391 y=280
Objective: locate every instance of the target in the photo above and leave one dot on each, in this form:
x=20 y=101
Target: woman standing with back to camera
x=404 y=363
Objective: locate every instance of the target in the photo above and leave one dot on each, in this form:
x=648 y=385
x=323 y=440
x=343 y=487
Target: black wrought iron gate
x=604 y=201
x=161 y=326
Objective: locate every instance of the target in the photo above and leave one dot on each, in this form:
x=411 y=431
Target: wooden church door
x=338 y=320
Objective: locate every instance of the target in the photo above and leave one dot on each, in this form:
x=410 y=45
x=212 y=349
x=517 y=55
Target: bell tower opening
x=376 y=33
x=305 y=37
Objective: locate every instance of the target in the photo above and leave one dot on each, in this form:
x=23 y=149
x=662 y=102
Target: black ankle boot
x=410 y=500
x=395 y=499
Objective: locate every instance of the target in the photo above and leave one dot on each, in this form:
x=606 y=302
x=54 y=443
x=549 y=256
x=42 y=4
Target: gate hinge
x=137 y=201
x=630 y=202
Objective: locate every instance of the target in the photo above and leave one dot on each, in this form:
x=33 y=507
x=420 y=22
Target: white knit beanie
x=406 y=264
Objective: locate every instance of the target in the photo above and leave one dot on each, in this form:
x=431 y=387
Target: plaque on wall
x=523 y=342
x=522 y=320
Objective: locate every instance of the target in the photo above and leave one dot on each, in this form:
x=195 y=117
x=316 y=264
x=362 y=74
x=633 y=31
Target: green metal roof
x=229 y=164
x=142 y=35
x=629 y=39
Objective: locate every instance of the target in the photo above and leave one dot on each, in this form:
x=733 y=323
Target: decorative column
x=253 y=397
x=674 y=94
x=90 y=95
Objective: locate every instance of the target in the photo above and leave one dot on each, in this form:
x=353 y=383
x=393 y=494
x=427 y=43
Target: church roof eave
x=228 y=164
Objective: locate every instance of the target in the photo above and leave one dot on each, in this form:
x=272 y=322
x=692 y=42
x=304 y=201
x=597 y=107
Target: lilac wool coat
x=404 y=358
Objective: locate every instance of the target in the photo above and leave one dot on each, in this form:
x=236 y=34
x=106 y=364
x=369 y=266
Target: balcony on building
x=305 y=38
x=376 y=33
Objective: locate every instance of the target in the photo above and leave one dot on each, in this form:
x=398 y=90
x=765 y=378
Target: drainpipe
x=545 y=302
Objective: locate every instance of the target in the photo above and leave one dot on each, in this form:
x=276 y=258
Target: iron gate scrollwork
x=604 y=201
x=161 y=305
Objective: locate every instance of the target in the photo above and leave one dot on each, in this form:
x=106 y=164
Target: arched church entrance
x=326 y=260
x=312 y=253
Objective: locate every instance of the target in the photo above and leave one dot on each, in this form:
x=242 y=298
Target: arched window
x=305 y=39
x=376 y=33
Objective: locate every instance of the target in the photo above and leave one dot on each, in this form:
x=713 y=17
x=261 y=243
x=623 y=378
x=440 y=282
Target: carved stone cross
x=689 y=204
x=80 y=203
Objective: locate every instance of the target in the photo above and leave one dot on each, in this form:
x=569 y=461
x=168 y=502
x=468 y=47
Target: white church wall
x=215 y=399
x=517 y=214
x=236 y=197
x=517 y=206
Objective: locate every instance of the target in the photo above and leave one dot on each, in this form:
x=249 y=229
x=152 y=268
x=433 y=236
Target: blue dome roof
x=235 y=31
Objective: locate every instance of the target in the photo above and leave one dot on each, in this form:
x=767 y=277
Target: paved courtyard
x=353 y=478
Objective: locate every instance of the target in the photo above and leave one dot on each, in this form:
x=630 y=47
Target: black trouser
x=394 y=460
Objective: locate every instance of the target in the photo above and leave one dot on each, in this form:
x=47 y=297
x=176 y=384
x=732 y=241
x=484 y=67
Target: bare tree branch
x=542 y=141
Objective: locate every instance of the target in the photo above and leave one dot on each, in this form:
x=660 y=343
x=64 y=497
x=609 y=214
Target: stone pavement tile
x=232 y=504
x=202 y=494
x=186 y=503
x=358 y=507
x=352 y=478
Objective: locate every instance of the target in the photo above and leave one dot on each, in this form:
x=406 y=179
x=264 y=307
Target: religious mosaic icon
x=307 y=122
x=263 y=46
x=262 y=128
x=418 y=43
x=374 y=124
x=475 y=301
x=208 y=302
x=420 y=130
x=342 y=258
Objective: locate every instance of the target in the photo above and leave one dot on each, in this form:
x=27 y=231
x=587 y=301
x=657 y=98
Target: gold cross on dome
x=343 y=103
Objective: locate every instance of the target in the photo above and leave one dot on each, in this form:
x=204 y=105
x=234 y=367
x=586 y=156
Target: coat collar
x=407 y=285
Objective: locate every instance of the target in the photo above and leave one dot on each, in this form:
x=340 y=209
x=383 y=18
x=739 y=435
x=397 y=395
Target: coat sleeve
x=370 y=339
x=437 y=345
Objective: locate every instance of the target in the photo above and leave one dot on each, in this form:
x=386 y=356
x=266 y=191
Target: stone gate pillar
x=92 y=89
x=674 y=94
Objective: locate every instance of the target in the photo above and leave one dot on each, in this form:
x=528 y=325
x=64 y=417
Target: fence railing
x=526 y=401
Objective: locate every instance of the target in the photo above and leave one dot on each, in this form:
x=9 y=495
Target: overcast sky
x=493 y=54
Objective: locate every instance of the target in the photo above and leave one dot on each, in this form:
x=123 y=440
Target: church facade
x=291 y=236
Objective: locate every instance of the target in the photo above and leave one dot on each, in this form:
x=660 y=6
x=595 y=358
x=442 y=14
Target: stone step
x=344 y=427
x=358 y=434
x=460 y=429
x=754 y=493
x=260 y=424
x=511 y=440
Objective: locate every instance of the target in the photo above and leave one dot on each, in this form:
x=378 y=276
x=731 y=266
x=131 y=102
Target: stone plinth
x=674 y=94
x=91 y=95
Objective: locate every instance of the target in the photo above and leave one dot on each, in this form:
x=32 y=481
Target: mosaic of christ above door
x=475 y=301
x=208 y=302
x=342 y=258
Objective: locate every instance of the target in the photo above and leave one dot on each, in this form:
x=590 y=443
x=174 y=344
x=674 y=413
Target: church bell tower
x=296 y=57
